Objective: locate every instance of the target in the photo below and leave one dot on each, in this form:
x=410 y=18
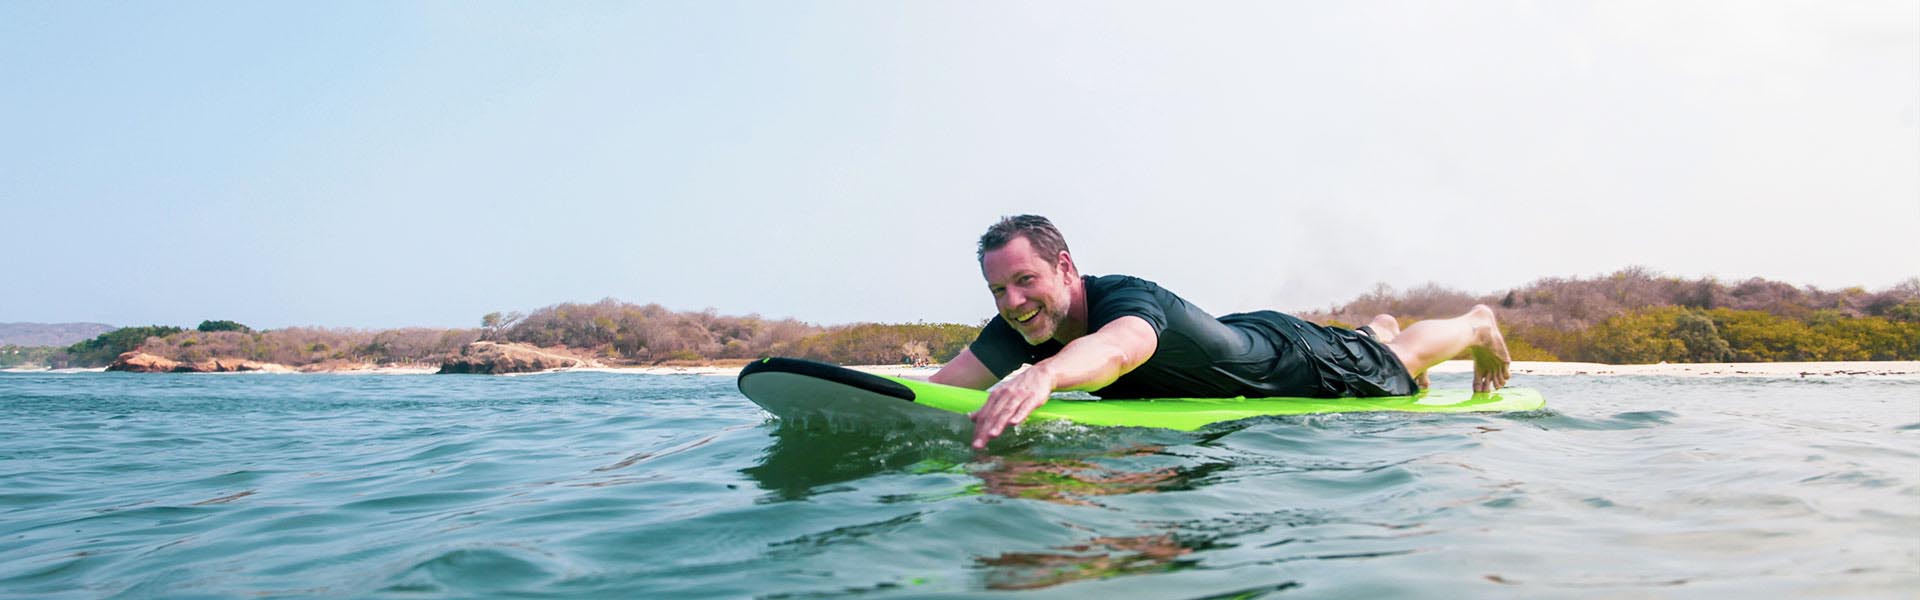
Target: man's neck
x=1076 y=322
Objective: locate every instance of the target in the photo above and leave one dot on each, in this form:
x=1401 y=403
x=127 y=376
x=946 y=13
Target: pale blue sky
x=382 y=164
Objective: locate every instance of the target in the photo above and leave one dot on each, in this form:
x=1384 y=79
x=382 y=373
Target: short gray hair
x=1040 y=232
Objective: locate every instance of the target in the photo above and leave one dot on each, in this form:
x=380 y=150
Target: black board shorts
x=1334 y=361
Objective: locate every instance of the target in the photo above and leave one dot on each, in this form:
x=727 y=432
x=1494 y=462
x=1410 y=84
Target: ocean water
x=619 y=485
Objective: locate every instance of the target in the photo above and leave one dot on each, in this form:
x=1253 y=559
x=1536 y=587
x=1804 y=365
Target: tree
x=1758 y=336
x=1699 y=340
x=1908 y=311
x=1640 y=337
x=212 y=326
x=100 y=351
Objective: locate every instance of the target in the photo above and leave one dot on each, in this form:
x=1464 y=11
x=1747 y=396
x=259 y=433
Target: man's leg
x=1427 y=343
x=1385 y=329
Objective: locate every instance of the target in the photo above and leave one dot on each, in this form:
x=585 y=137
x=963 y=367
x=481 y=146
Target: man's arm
x=965 y=371
x=1089 y=363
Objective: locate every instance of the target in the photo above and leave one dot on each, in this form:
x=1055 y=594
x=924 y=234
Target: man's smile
x=1028 y=316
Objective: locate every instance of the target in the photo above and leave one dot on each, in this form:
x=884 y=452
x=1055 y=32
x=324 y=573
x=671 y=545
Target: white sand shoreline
x=1891 y=368
x=1906 y=368
x=1894 y=369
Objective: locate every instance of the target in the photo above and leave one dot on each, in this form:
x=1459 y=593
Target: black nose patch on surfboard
x=807 y=391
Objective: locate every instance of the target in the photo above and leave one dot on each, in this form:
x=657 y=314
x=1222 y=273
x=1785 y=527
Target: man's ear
x=1065 y=264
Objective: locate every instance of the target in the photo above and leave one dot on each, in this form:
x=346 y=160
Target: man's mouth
x=1023 y=319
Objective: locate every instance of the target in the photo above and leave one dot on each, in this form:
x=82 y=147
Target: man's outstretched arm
x=1088 y=363
x=965 y=371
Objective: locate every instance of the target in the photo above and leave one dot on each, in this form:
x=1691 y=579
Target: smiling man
x=1125 y=337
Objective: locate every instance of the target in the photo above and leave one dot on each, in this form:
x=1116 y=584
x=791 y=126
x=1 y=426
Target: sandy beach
x=1906 y=368
x=1777 y=369
x=1900 y=369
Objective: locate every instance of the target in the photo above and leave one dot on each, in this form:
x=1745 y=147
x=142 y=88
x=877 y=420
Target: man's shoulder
x=1105 y=287
x=1110 y=297
x=1120 y=282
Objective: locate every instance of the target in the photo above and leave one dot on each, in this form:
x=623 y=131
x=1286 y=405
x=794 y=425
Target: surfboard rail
x=792 y=388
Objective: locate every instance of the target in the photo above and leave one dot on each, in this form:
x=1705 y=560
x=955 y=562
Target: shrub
x=101 y=350
x=211 y=326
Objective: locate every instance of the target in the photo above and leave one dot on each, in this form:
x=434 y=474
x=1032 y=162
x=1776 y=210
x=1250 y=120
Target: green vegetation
x=212 y=326
x=1635 y=316
x=100 y=351
x=610 y=331
x=12 y=356
x=304 y=346
x=293 y=346
x=1632 y=316
x=624 y=333
x=642 y=334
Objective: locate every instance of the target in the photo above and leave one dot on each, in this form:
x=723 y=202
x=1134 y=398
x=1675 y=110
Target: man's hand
x=1011 y=403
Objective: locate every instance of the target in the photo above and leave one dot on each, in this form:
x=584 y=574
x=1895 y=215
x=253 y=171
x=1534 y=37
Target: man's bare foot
x=1489 y=349
x=1421 y=382
x=1385 y=328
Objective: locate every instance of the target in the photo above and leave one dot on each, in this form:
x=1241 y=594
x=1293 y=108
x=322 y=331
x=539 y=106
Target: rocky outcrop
x=238 y=365
x=496 y=358
x=141 y=362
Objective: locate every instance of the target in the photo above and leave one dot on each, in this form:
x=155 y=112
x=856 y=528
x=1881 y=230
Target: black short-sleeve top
x=1198 y=356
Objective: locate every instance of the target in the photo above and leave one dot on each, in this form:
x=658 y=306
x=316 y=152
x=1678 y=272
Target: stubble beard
x=1052 y=315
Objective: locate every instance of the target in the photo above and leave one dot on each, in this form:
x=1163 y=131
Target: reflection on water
x=1054 y=465
x=1073 y=480
x=1098 y=558
x=805 y=459
x=802 y=458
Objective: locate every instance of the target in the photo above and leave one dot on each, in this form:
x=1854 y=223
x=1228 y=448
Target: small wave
x=1641 y=419
x=491 y=569
x=418 y=502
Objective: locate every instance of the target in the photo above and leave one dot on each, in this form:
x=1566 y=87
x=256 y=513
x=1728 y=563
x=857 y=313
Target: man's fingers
x=1005 y=418
x=994 y=412
x=987 y=421
x=1001 y=411
x=1026 y=410
x=983 y=426
x=985 y=431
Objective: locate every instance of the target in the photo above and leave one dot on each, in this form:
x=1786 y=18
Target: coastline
x=1890 y=368
x=1896 y=369
x=1901 y=369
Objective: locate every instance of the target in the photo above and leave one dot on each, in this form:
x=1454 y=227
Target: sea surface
x=650 y=486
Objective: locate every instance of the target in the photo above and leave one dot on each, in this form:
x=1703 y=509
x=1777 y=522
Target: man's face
x=1030 y=291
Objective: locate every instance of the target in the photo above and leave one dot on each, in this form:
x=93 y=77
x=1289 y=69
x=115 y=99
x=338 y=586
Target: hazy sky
x=380 y=164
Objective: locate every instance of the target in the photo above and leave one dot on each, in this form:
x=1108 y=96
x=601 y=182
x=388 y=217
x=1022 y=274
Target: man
x=1126 y=337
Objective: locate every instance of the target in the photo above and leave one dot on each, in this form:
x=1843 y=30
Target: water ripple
x=611 y=485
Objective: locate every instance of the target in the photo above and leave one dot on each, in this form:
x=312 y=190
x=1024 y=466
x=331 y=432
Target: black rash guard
x=1257 y=354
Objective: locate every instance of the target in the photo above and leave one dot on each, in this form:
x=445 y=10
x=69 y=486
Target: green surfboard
x=801 y=390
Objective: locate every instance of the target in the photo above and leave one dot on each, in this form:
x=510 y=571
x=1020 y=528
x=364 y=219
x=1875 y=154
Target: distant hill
x=49 y=334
